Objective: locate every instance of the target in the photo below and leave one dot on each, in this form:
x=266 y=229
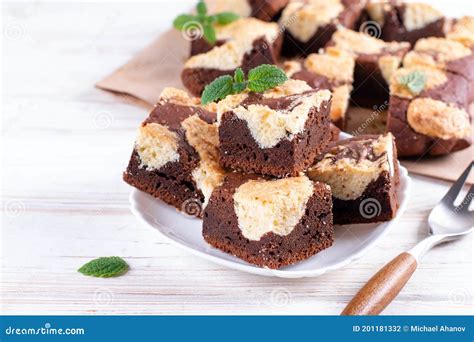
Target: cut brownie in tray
x=267 y=222
x=266 y=10
x=462 y=30
x=278 y=132
x=446 y=55
x=363 y=175
x=403 y=21
x=376 y=61
x=175 y=157
x=331 y=69
x=310 y=24
x=432 y=121
x=251 y=42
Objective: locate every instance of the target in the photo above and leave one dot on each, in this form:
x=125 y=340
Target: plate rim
x=248 y=268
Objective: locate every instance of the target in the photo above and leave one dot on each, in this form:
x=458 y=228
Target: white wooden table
x=65 y=145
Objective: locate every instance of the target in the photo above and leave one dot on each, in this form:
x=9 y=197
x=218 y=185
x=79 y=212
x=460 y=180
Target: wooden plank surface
x=65 y=145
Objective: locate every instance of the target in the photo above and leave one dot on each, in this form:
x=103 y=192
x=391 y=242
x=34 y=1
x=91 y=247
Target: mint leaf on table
x=265 y=77
x=204 y=21
x=261 y=78
x=414 y=81
x=105 y=267
x=217 y=89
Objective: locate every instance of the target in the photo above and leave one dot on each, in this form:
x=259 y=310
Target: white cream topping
x=303 y=18
x=274 y=206
x=361 y=43
x=156 y=145
x=418 y=15
x=269 y=126
x=240 y=7
x=204 y=138
x=438 y=119
x=333 y=63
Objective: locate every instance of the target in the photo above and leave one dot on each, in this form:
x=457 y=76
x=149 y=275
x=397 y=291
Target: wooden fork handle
x=383 y=287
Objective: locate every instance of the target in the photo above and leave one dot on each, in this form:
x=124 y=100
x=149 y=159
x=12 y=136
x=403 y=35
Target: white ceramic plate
x=350 y=241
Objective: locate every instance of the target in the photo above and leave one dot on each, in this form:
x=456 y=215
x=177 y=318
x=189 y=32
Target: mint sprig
x=204 y=21
x=105 y=267
x=414 y=81
x=260 y=79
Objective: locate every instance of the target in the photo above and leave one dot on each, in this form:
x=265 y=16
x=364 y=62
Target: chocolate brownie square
x=249 y=43
x=363 y=175
x=235 y=30
x=446 y=55
x=175 y=157
x=266 y=10
x=376 y=61
x=310 y=24
x=271 y=223
x=433 y=121
x=403 y=21
x=276 y=133
x=330 y=69
x=462 y=30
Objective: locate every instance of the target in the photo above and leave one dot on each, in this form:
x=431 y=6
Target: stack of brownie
x=265 y=171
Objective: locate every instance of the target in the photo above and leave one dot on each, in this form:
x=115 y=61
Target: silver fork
x=446 y=222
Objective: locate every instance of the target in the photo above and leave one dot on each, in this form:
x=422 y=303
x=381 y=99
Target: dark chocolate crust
x=195 y=79
x=370 y=87
x=347 y=18
x=465 y=68
x=202 y=46
x=413 y=144
x=172 y=184
x=394 y=29
x=312 y=234
x=239 y=150
x=267 y=10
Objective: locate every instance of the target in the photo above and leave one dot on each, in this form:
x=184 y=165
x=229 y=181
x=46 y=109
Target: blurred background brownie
x=332 y=69
x=428 y=111
x=269 y=223
x=251 y=43
x=444 y=54
x=310 y=24
x=175 y=157
x=376 y=61
x=462 y=30
x=236 y=30
x=363 y=175
x=403 y=21
x=266 y=10
x=278 y=132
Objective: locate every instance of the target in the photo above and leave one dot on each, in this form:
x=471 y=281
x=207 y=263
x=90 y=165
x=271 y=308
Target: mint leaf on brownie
x=105 y=267
x=261 y=78
x=217 y=90
x=225 y=18
x=181 y=20
x=264 y=77
x=414 y=81
x=204 y=22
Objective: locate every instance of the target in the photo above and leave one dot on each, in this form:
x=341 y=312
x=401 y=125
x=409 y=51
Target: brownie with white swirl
x=268 y=222
x=175 y=157
x=363 y=175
